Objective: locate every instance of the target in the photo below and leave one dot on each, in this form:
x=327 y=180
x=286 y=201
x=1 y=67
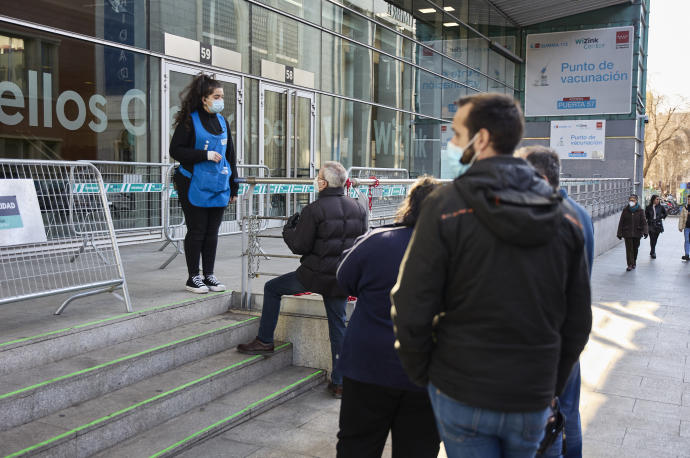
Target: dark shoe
x=629 y=268
x=255 y=347
x=634 y=265
x=196 y=285
x=336 y=390
x=685 y=258
x=213 y=284
x=653 y=255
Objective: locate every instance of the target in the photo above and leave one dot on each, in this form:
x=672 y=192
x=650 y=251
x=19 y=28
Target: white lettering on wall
x=94 y=101
x=132 y=94
x=17 y=101
x=382 y=133
x=60 y=110
x=11 y=96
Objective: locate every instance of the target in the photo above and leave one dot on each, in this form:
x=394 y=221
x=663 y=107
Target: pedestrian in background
x=632 y=226
x=684 y=227
x=547 y=163
x=378 y=397
x=492 y=305
x=655 y=214
x=205 y=178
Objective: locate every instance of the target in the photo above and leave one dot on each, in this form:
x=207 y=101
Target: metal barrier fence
x=174 y=228
x=57 y=233
x=600 y=196
x=382 y=202
x=135 y=192
x=253 y=224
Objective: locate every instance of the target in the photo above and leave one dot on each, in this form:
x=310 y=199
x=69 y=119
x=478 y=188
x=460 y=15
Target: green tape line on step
x=83 y=325
x=237 y=414
x=139 y=404
x=124 y=358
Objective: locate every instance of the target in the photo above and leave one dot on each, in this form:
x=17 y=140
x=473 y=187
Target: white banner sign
x=580 y=139
x=579 y=72
x=20 y=214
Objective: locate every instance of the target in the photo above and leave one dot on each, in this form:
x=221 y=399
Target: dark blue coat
x=587 y=227
x=368 y=271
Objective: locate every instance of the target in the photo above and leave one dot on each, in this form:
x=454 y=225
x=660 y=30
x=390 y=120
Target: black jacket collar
x=332 y=192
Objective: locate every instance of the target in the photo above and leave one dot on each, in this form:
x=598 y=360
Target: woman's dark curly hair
x=201 y=87
x=408 y=212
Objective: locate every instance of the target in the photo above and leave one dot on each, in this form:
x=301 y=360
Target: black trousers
x=202 y=230
x=369 y=411
x=653 y=237
x=632 y=244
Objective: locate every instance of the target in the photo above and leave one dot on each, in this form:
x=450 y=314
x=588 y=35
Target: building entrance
x=286 y=140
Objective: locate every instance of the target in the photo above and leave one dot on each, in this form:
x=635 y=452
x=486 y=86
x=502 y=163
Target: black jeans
x=368 y=412
x=202 y=230
x=653 y=237
x=632 y=244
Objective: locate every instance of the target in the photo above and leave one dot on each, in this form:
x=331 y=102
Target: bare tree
x=666 y=131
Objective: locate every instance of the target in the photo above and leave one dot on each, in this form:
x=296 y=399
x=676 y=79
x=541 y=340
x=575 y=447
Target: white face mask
x=632 y=204
x=455 y=153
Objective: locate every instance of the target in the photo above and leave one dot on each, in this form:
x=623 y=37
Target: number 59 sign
x=205 y=54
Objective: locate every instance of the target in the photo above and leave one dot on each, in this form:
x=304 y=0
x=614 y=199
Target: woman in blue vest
x=205 y=179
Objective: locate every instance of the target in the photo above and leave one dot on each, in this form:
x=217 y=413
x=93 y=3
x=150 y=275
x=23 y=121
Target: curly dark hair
x=201 y=86
x=409 y=210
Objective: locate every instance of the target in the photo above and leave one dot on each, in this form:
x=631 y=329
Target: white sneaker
x=196 y=285
x=213 y=284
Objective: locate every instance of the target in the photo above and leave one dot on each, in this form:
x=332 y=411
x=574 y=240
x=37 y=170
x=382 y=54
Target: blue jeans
x=686 y=233
x=335 y=312
x=472 y=432
x=570 y=407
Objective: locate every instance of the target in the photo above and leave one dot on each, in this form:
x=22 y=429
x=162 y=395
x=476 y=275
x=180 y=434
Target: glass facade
x=370 y=83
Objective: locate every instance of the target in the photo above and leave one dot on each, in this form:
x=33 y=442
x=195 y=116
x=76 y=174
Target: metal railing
x=253 y=224
x=174 y=227
x=57 y=233
x=600 y=196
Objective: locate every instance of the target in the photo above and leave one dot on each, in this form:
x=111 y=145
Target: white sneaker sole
x=201 y=290
x=217 y=289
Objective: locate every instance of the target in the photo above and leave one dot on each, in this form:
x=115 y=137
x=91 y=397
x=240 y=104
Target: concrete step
x=92 y=426
x=188 y=431
x=34 y=393
x=33 y=351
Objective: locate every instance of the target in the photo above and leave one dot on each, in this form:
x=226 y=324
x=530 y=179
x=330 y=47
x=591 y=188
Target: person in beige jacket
x=684 y=227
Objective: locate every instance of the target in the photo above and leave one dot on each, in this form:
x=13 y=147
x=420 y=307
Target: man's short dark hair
x=544 y=160
x=497 y=113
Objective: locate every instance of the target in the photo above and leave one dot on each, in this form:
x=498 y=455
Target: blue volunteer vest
x=210 y=185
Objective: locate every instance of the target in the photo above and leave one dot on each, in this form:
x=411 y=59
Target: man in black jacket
x=325 y=229
x=492 y=305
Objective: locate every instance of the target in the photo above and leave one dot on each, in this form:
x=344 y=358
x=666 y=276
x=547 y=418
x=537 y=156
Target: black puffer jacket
x=492 y=303
x=326 y=228
x=632 y=224
x=655 y=224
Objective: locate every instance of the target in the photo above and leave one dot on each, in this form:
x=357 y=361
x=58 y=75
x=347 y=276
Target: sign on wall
x=20 y=214
x=578 y=139
x=579 y=72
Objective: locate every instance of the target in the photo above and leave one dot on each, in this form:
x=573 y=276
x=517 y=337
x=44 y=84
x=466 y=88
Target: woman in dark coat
x=378 y=397
x=205 y=178
x=655 y=214
x=632 y=226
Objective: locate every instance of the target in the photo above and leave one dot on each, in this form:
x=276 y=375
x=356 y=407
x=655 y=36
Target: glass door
x=176 y=77
x=286 y=141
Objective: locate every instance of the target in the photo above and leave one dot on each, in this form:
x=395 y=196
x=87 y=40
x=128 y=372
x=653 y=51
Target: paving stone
x=657 y=442
x=221 y=448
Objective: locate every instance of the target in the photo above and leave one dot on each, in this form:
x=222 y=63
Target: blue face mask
x=455 y=153
x=216 y=106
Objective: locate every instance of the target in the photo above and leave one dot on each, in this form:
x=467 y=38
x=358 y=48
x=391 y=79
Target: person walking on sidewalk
x=378 y=397
x=684 y=227
x=205 y=178
x=655 y=214
x=492 y=305
x=632 y=226
x=327 y=227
